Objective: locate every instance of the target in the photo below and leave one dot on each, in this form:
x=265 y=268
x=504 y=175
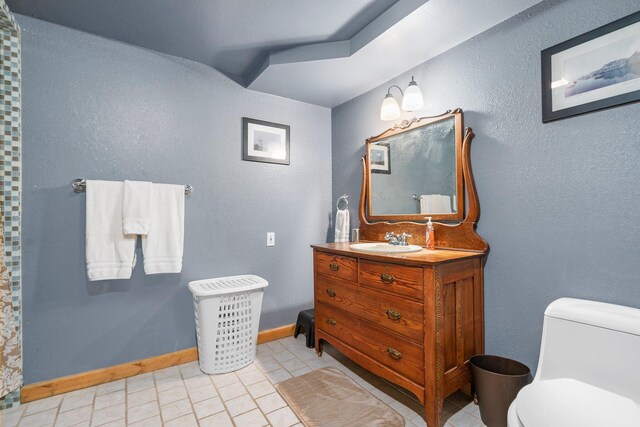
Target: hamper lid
x=227 y=285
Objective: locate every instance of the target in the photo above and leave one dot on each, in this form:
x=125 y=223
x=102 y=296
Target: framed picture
x=265 y=141
x=596 y=70
x=380 y=158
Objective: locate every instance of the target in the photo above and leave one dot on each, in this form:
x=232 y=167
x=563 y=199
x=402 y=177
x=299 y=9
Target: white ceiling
x=431 y=29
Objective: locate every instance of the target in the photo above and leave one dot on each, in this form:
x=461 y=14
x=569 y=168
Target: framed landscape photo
x=596 y=70
x=265 y=141
x=380 y=158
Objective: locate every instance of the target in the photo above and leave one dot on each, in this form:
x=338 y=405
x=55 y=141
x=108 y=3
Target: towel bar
x=80 y=185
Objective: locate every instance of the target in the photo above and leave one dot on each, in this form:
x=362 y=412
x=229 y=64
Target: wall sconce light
x=411 y=100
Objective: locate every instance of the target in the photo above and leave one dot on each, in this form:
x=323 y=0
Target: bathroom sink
x=384 y=248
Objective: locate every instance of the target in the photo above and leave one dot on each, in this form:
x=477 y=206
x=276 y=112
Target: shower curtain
x=10 y=366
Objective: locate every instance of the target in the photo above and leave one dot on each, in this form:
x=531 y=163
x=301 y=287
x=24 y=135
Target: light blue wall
x=560 y=201
x=100 y=109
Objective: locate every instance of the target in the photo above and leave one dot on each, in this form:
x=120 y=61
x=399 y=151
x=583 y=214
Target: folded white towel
x=163 y=245
x=136 y=208
x=435 y=204
x=342 y=226
x=109 y=253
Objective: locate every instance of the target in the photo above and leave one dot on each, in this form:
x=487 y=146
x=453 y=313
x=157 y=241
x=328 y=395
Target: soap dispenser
x=430 y=235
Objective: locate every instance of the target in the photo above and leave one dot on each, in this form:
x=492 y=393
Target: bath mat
x=328 y=398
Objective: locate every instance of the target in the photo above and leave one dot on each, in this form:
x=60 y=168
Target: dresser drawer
x=394 y=313
x=400 y=279
x=342 y=267
x=399 y=354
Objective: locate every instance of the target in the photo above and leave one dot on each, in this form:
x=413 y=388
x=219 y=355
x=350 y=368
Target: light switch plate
x=271 y=238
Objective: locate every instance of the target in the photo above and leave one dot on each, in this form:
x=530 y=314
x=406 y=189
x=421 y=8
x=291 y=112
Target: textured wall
x=99 y=109
x=560 y=201
x=11 y=166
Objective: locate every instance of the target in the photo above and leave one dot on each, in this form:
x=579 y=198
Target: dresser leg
x=318 y=347
x=432 y=412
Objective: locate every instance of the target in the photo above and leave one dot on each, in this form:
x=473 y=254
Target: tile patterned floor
x=184 y=396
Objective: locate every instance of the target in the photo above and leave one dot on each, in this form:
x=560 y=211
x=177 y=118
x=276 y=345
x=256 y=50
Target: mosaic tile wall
x=11 y=162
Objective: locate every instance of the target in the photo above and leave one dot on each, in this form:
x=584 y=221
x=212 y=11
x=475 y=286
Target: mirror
x=415 y=170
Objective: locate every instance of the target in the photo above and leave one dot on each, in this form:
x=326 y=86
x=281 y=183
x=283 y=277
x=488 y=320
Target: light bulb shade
x=390 y=109
x=412 y=99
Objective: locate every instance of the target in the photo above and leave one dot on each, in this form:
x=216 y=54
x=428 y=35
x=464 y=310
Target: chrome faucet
x=397 y=240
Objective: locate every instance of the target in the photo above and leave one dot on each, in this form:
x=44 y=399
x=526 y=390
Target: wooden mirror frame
x=461 y=236
x=410 y=125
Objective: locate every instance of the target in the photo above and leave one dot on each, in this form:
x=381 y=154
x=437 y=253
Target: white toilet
x=589 y=369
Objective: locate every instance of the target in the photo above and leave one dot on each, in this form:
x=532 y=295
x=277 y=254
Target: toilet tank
x=593 y=342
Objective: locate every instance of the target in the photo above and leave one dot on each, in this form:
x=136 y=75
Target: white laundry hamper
x=227 y=312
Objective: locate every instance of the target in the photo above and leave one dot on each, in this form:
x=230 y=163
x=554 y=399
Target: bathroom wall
x=560 y=201
x=99 y=109
x=10 y=191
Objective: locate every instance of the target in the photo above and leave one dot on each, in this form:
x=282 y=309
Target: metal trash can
x=497 y=381
x=227 y=313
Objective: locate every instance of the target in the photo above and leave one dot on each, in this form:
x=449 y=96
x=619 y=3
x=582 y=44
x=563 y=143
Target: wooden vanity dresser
x=415 y=318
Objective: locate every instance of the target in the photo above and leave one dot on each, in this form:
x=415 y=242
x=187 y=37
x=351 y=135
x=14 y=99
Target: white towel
x=435 y=204
x=163 y=245
x=342 y=226
x=109 y=253
x=136 y=208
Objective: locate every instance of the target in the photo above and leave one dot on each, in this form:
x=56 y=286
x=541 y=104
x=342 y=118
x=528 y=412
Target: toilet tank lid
x=600 y=314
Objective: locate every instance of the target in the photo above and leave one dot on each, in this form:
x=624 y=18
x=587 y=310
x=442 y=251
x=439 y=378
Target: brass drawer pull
x=331 y=322
x=393 y=315
x=387 y=278
x=334 y=266
x=394 y=353
x=331 y=293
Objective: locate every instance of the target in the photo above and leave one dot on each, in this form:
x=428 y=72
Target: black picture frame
x=385 y=165
x=588 y=100
x=265 y=142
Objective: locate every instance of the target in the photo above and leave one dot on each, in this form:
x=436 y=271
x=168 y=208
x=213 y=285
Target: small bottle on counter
x=430 y=235
x=355 y=235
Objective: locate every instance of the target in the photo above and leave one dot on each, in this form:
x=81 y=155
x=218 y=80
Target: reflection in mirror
x=414 y=172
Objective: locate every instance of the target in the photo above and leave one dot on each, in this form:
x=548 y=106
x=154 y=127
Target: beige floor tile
x=111 y=399
x=43 y=405
x=301 y=371
x=140 y=397
x=175 y=410
x=39 y=419
x=240 y=405
x=293 y=364
x=77 y=399
x=231 y=391
x=189 y=370
x=172 y=395
x=246 y=369
x=141 y=412
x=463 y=419
x=74 y=417
x=251 y=377
x=167 y=383
x=276 y=346
x=261 y=389
x=110 y=387
x=222 y=380
x=139 y=382
x=278 y=376
x=11 y=417
x=271 y=402
x=283 y=417
x=251 y=419
x=149 y=422
x=473 y=409
x=171 y=371
x=220 y=419
x=267 y=364
x=197 y=381
x=107 y=415
x=117 y=423
x=208 y=407
x=283 y=356
x=184 y=421
x=202 y=393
